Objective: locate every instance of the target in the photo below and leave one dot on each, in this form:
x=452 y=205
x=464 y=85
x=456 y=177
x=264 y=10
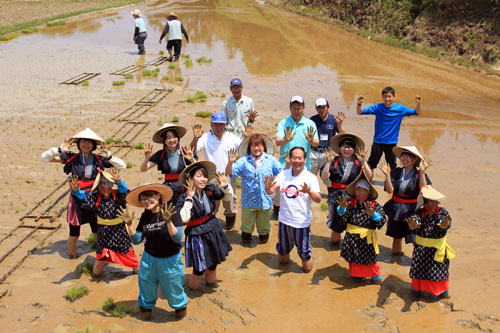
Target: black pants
x=139 y=40
x=177 y=45
x=376 y=154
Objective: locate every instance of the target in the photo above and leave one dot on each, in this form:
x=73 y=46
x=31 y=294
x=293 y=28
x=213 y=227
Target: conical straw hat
x=106 y=175
x=335 y=141
x=242 y=150
x=429 y=192
x=89 y=135
x=351 y=188
x=410 y=149
x=210 y=166
x=181 y=131
x=133 y=197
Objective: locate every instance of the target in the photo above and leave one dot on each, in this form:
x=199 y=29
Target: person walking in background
x=388 y=118
x=239 y=109
x=140 y=33
x=175 y=30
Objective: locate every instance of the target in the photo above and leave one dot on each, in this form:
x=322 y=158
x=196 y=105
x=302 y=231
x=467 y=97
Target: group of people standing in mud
x=286 y=187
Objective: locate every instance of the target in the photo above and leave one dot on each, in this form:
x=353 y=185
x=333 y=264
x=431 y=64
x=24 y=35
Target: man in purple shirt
x=388 y=118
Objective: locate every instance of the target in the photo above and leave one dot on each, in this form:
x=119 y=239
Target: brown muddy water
x=277 y=55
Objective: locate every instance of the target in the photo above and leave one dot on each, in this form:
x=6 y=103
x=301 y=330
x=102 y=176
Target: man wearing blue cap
x=239 y=109
x=216 y=145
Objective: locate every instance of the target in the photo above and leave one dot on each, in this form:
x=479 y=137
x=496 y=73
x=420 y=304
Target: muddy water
x=277 y=55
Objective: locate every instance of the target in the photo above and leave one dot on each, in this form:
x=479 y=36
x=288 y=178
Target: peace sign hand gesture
x=168 y=212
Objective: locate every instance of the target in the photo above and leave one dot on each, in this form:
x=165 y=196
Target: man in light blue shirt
x=296 y=131
x=239 y=109
x=140 y=33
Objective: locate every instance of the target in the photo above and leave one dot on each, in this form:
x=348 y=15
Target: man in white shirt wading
x=216 y=145
x=298 y=188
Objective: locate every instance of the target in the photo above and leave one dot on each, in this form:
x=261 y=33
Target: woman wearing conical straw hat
x=161 y=262
x=113 y=242
x=404 y=185
x=84 y=165
x=255 y=163
x=206 y=243
x=430 y=262
x=361 y=215
x=170 y=160
x=341 y=170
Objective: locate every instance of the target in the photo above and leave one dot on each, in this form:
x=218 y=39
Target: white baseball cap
x=322 y=102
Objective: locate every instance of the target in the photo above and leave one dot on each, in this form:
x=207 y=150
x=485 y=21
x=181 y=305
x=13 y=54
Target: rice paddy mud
x=277 y=55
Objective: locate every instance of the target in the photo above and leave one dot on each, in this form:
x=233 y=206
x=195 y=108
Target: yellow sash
x=114 y=221
x=369 y=234
x=442 y=248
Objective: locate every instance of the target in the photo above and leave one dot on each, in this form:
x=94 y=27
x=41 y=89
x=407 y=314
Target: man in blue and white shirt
x=239 y=109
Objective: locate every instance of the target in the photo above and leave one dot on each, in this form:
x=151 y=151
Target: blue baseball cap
x=218 y=118
x=236 y=82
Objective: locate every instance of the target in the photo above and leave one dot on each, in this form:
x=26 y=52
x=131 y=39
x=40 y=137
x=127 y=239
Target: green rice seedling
x=146 y=73
x=118 y=83
x=201 y=96
x=171 y=66
x=154 y=73
x=223 y=95
x=160 y=122
x=129 y=76
x=85 y=83
x=162 y=52
x=139 y=145
x=129 y=165
x=188 y=63
x=203 y=60
x=87 y=268
x=75 y=293
x=175 y=119
x=190 y=99
x=30 y=30
x=203 y=114
x=117 y=310
x=9 y=36
x=91 y=241
x=54 y=23
x=119 y=140
x=324 y=206
x=178 y=79
x=88 y=329
x=157 y=69
x=109 y=140
x=238 y=183
x=165 y=78
x=185 y=56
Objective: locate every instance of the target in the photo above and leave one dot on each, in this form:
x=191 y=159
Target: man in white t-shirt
x=298 y=188
x=216 y=145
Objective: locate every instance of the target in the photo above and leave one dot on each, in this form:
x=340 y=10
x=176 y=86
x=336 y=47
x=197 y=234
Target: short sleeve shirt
x=216 y=150
x=253 y=190
x=299 y=140
x=158 y=241
x=295 y=206
x=237 y=114
x=388 y=121
x=326 y=129
x=139 y=23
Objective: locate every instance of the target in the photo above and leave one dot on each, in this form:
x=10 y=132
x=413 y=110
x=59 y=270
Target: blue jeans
x=168 y=273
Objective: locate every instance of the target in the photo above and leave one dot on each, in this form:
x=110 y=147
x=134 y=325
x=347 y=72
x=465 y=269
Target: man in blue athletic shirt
x=388 y=118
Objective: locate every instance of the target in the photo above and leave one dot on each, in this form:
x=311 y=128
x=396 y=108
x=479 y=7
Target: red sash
x=198 y=221
x=85 y=184
x=339 y=186
x=401 y=198
x=172 y=176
